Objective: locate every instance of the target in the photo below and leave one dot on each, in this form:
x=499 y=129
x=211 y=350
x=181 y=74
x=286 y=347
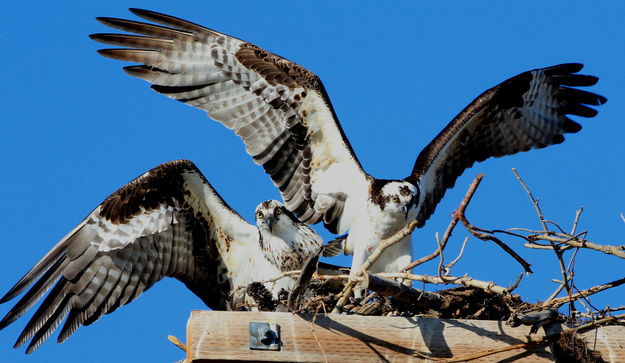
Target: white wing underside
x=169 y=222
x=276 y=107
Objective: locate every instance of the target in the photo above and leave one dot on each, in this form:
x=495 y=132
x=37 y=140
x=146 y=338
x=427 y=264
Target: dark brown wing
x=279 y=109
x=525 y=112
x=160 y=224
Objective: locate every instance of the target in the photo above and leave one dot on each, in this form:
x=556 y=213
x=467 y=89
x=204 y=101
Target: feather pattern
x=283 y=115
x=528 y=111
x=169 y=222
x=279 y=109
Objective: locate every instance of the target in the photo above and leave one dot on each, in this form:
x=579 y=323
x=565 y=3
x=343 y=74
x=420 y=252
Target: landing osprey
x=283 y=114
x=169 y=222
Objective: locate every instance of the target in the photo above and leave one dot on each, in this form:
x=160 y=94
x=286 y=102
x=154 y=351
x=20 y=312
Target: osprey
x=169 y=222
x=285 y=118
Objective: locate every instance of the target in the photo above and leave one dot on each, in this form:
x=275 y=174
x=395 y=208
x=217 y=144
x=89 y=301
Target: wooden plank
x=213 y=335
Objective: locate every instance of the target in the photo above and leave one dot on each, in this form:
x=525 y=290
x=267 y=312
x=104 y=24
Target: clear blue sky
x=75 y=128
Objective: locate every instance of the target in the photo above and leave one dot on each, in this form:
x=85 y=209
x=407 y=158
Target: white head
x=272 y=218
x=397 y=199
x=285 y=241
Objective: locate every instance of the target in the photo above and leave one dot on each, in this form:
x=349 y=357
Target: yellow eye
x=394 y=199
x=278 y=211
x=259 y=215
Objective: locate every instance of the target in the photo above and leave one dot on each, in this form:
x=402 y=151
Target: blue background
x=75 y=128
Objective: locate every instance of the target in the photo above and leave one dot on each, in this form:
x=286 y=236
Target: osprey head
x=397 y=198
x=272 y=217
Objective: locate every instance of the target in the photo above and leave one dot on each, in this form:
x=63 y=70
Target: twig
x=461 y=281
x=558 y=252
x=452 y=263
x=384 y=244
x=488 y=352
x=539 y=341
x=593 y=290
x=516 y=283
x=387 y=287
x=273 y=279
x=429 y=279
x=555 y=293
x=610 y=310
x=441 y=260
x=577 y=214
x=422 y=260
x=534 y=200
x=452 y=224
x=489 y=237
x=177 y=342
x=312 y=328
x=616 y=250
x=598 y=322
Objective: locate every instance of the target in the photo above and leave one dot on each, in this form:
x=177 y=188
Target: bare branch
x=534 y=200
x=384 y=244
x=177 y=342
x=593 y=290
x=448 y=266
x=489 y=237
x=616 y=250
x=578 y=213
x=558 y=252
x=454 y=220
x=462 y=281
x=516 y=283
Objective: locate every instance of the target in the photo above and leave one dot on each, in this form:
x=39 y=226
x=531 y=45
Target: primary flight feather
x=284 y=116
x=169 y=222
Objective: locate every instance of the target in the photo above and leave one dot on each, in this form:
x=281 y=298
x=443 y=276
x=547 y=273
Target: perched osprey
x=283 y=114
x=169 y=222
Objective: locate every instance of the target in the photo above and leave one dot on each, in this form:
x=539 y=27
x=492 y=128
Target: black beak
x=270 y=221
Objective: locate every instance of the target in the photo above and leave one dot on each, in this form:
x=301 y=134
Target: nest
x=321 y=296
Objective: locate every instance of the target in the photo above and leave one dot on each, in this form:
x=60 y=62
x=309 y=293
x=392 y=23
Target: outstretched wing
x=168 y=222
x=279 y=109
x=525 y=112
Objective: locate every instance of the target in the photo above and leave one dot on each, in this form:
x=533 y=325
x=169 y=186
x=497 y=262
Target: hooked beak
x=404 y=209
x=270 y=221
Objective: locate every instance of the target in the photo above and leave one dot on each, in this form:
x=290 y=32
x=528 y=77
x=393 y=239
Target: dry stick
x=387 y=287
x=516 y=283
x=540 y=341
x=452 y=263
x=489 y=237
x=384 y=244
x=577 y=214
x=488 y=286
x=534 y=200
x=616 y=250
x=422 y=260
x=555 y=293
x=273 y=279
x=441 y=260
x=177 y=342
x=556 y=249
x=450 y=228
x=593 y=290
x=598 y=322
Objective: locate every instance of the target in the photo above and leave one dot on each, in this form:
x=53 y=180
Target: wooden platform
x=218 y=336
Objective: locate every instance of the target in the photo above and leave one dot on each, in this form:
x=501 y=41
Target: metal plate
x=264 y=336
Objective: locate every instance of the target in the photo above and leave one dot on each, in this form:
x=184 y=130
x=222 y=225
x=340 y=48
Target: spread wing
x=525 y=112
x=279 y=109
x=168 y=222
